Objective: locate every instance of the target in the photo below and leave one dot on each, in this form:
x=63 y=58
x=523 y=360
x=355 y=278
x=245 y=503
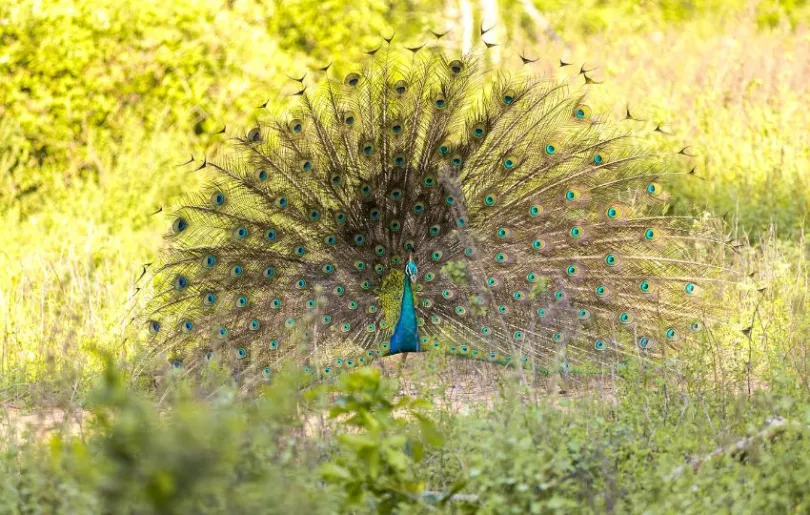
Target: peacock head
x=411 y=270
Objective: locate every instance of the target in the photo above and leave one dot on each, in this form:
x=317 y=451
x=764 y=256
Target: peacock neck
x=406 y=335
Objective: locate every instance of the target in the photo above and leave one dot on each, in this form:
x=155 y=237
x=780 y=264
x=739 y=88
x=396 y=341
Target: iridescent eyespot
x=396 y=194
x=434 y=230
x=306 y=165
x=296 y=126
x=695 y=326
x=583 y=314
x=400 y=87
x=689 y=288
x=209 y=261
x=599 y=345
x=396 y=128
x=328 y=268
x=582 y=112
x=241 y=353
x=439 y=101
x=262 y=175
x=281 y=202
x=419 y=208
x=503 y=232
x=269 y=272
x=436 y=255
x=572 y=270
x=348 y=118
x=399 y=160
x=645 y=343
x=598 y=159
x=209 y=299
x=601 y=290
x=368 y=149
x=299 y=250
x=575 y=232
x=551 y=148
x=222 y=332
x=650 y=234
x=429 y=181
x=352 y=80
x=237 y=271
x=490 y=199
x=340 y=218
x=217 y=198
x=359 y=239
x=613 y=212
x=538 y=244
x=509 y=163
x=275 y=303
x=536 y=210
x=449 y=200
x=508 y=97
x=455 y=67
x=254 y=135
x=654 y=189
x=444 y=148
x=671 y=334
x=501 y=257
x=179 y=225
x=154 y=326
x=572 y=194
x=360 y=265
x=254 y=325
x=379 y=250
x=479 y=130
x=187 y=326
x=645 y=286
x=456 y=161
x=180 y=282
x=300 y=284
x=559 y=295
x=611 y=260
x=395 y=225
x=330 y=240
x=625 y=318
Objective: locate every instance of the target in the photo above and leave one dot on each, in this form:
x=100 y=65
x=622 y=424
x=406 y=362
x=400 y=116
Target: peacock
x=425 y=202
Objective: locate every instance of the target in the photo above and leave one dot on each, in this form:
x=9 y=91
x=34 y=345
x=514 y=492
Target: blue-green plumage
x=406 y=334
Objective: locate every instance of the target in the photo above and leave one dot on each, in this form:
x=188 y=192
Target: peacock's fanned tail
x=538 y=230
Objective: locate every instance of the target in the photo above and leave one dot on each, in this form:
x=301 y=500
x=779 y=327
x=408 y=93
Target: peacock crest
x=424 y=202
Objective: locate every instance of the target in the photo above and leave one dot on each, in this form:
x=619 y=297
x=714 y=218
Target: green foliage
x=219 y=457
x=378 y=458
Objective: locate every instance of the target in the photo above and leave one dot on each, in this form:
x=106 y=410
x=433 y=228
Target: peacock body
x=426 y=203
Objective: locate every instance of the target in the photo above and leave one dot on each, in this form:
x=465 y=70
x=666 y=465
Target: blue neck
x=406 y=336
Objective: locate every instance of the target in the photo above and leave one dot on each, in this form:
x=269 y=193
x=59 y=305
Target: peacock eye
x=254 y=135
x=352 y=80
x=439 y=101
x=508 y=97
x=582 y=112
x=456 y=67
x=400 y=87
